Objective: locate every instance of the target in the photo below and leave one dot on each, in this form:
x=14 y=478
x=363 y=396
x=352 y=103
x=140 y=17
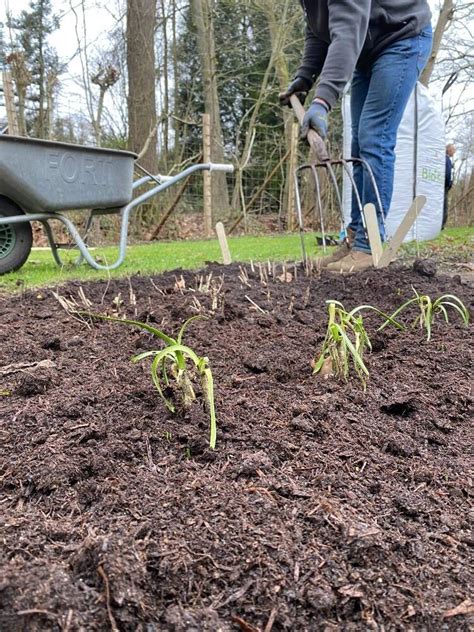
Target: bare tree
x=141 y=19
x=22 y=78
x=104 y=77
x=203 y=22
x=444 y=19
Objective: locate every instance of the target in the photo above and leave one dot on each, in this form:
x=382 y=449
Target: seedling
x=429 y=309
x=347 y=339
x=172 y=362
x=338 y=348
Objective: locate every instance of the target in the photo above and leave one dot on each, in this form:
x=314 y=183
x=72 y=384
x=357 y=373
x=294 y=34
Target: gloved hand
x=299 y=86
x=316 y=118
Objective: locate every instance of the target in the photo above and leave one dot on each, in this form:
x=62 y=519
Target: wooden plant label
x=221 y=236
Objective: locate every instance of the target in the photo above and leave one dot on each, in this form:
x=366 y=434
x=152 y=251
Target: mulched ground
x=323 y=507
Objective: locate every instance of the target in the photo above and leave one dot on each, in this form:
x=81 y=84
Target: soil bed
x=324 y=507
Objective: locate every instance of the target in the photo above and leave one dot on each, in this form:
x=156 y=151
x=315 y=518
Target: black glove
x=300 y=87
x=316 y=118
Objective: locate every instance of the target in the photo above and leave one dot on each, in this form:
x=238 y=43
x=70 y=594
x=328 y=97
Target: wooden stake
x=373 y=233
x=290 y=200
x=221 y=236
x=13 y=129
x=207 y=183
x=401 y=232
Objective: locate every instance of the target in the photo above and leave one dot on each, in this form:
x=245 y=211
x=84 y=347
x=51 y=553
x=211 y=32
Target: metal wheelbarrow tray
x=40 y=180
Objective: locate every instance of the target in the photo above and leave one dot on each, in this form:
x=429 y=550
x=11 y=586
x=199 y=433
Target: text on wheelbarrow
x=81 y=169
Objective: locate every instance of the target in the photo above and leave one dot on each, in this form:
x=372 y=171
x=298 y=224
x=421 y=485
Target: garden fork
x=371 y=216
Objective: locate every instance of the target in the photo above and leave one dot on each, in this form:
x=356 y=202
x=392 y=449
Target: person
x=382 y=47
x=448 y=180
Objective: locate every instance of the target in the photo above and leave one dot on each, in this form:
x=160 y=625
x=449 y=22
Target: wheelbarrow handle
x=314 y=139
x=212 y=166
x=160 y=179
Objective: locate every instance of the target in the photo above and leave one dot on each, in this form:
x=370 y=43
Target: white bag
x=419 y=165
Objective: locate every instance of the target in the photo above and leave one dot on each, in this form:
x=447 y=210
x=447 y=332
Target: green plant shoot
x=347 y=339
x=428 y=310
x=338 y=348
x=172 y=362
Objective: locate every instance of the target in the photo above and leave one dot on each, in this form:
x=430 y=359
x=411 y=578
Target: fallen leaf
x=326 y=369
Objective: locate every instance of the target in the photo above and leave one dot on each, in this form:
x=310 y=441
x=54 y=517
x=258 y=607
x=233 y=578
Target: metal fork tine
x=354 y=189
x=299 y=212
x=368 y=169
x=329 y=166
x=320 y=204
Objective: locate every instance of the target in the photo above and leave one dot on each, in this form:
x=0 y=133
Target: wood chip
x=465 y=607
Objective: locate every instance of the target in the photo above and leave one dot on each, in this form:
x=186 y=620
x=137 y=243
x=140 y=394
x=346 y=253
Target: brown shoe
x=339 y=253
x=355 y=261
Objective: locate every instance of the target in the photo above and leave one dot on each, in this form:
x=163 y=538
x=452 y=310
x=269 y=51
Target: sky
x=64 y=39
x=99 y=21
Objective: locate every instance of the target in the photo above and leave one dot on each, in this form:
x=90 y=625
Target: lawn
x=157 y=257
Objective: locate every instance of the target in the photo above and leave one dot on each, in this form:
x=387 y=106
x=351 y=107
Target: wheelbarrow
x=42 y=180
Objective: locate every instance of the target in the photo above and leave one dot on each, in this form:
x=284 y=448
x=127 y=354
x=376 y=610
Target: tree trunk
x=166 y=100
x=445 y=17
x=202 y=17
x=141 y=17
x=276 y=26
x=174 y=32
x=41 y=131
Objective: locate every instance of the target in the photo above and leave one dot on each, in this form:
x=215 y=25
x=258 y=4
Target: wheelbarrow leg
x=53 y=246
x=52 y=243
x=88 y=226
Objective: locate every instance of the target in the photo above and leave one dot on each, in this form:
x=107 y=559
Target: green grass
x=452 y=244
x=154 y=258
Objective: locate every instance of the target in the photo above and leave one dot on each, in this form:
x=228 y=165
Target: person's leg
x=393 y=78
x=445 y=208
x=359 y=89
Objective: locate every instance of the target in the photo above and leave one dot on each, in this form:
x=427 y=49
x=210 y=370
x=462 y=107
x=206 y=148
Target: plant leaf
x=398 y=311
x=135 y=323
x=355 y=354
x=462 y=311
x=142 y=356
x=185 y=325
x=157 y=382
x=390 y=319
x=208 y=389
x=319 y=364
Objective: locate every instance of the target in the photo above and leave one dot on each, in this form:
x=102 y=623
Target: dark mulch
x=324 y=507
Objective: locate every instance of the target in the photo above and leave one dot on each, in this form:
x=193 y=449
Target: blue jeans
x=378 y=100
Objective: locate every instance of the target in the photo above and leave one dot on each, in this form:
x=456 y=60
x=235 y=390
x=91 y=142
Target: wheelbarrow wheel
x=15 y=239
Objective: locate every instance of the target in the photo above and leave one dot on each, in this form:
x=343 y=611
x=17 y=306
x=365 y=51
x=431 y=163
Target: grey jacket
x=343 y=34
